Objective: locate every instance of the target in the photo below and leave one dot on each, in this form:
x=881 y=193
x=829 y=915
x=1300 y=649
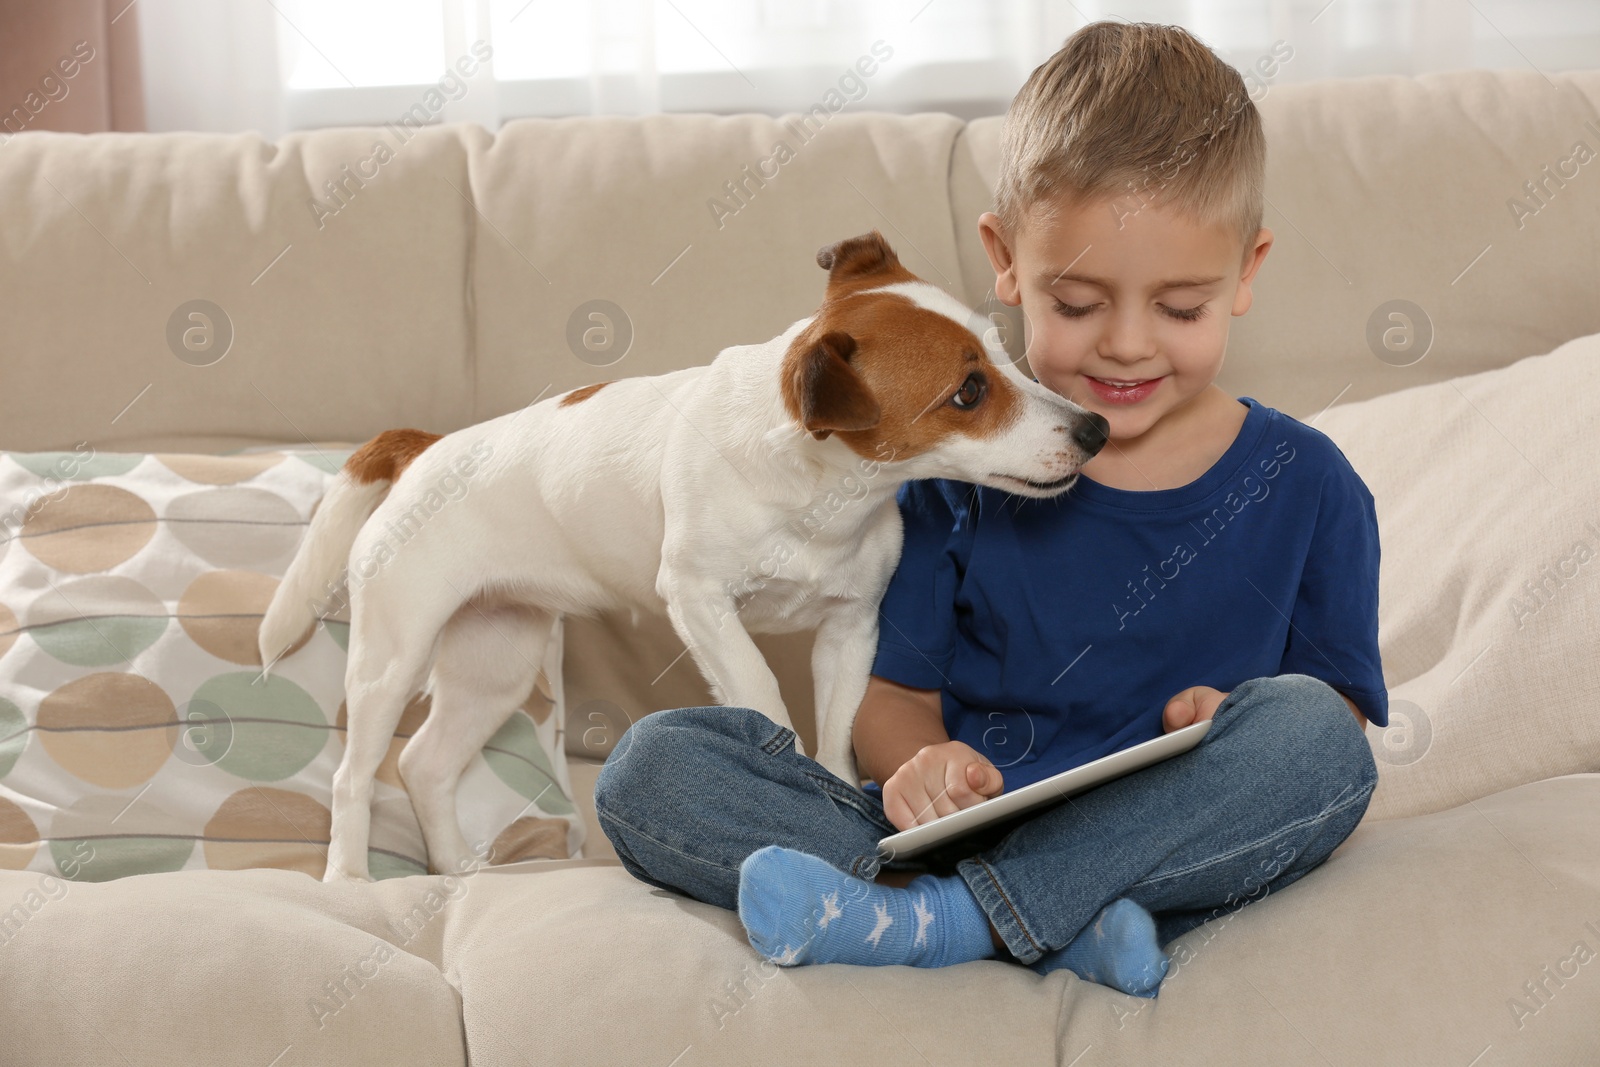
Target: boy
x=1216 y=560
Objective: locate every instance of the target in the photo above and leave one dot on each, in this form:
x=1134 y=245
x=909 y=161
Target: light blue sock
x=1117 y=949
x=798 y=908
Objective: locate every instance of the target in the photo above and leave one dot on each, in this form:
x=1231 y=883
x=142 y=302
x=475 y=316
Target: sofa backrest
x=376 y=278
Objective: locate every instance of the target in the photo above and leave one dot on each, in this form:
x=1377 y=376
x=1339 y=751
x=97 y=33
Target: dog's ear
x=857 y=257
x=826 y=391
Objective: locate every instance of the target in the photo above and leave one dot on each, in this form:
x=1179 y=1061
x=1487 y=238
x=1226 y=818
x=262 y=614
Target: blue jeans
x=1281 y=778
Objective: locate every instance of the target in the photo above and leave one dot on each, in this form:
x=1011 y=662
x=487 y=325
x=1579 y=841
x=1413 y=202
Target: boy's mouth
x=1123 y=390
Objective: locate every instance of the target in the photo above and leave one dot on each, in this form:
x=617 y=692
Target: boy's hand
x=939 y=780
x=1195 y=704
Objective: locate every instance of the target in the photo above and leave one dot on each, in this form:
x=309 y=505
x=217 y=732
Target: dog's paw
x=334 y=874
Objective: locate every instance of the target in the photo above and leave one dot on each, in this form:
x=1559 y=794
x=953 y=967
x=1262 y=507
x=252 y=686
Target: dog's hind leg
x=488 y=659
x=394 y=620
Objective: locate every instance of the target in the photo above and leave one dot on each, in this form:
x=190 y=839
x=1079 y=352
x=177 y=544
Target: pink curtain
x=70 y=65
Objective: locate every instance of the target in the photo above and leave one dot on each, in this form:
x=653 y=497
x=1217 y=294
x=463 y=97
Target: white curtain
x=276 y=65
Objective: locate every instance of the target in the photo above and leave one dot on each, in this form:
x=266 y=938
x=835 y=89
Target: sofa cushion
x=261 y=967
x=136 y=731
x=1419 y=941
x=1489 y=596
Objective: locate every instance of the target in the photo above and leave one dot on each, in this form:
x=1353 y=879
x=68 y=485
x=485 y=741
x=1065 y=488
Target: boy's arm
x=1360 y=718
x=1333 y=629
x=901 y=712
x=1201 y=702
x=894 y=723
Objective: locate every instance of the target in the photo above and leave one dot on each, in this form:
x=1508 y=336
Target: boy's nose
x=1091 y=432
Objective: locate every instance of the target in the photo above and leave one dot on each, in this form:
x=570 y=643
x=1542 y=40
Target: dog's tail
x=356 y=491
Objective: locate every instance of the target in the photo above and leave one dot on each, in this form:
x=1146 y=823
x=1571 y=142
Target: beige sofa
x=437 y=290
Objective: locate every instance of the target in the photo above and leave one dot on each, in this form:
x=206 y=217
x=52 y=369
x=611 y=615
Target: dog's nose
x=1091 y=433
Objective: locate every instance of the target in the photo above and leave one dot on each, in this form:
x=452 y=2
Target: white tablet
x=1056 y=788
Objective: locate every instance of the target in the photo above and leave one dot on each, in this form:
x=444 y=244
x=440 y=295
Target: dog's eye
x=971 y=392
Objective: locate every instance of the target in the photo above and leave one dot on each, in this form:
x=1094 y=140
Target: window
x=308 y=63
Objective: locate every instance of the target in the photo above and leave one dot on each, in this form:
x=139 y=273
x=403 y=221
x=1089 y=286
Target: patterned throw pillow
x=136 y=731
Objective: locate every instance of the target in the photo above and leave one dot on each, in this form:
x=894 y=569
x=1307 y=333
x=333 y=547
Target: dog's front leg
x=841 y=663
x=708 y=623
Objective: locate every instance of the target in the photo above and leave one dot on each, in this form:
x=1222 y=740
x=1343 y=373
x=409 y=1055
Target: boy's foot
x=798 y=908
x=1117 y=949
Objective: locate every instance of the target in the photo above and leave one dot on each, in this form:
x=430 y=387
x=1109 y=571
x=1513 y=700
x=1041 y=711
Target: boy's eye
x=1072 y=311
x=1193 y=314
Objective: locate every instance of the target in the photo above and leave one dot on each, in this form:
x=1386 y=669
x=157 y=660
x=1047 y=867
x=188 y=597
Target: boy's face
x=1114 y=293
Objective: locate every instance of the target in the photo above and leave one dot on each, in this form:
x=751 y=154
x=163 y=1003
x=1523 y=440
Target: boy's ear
x=997 y=245
x=1253 y=258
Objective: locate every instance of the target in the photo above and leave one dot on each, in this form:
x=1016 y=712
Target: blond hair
x=1140 y=113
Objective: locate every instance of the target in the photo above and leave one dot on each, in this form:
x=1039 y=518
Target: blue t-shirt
x=1057 y=630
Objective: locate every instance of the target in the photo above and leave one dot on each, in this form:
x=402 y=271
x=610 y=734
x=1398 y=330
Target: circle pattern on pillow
x=205 y=734
x=531 y=838
x=98 y=728
x=88 y=528
x=13 y=735
x=138 y=733
x=326 y=462
x=51 y=467
x=237 y=526
x=19 y=838
x=127 y=619
x=219 y=470
x=221 y=611
x=84 y=852
x=278 y=729
x=291 y=827
x=8 y=624
x=340 y=632
x=516 y=755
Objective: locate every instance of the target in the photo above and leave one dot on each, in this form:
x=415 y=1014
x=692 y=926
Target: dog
x=754 y=494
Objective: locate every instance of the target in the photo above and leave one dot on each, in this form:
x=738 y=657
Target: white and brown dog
x=755 y=494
